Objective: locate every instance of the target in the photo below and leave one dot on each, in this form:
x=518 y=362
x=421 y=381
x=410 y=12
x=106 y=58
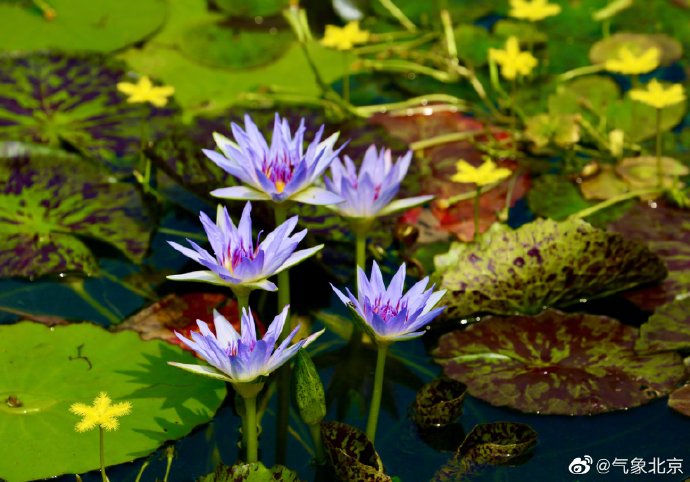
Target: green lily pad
x=255 y=472
x=56 y=99
x=207 y=43
x=609 y=47
x=605 y=184
x=555 y=197
x=439 y=403
x=352 y=455
x=641 y=172
x=638 y=120
x=473 y=43
x=79 y=24
x=679 y=400
x=528 y=33
x=666 y=230
x=560 y=130
x=545 y=264
x=51 y=201
x=592 y=93
x=255 y=8
x=488 y=444
x=52 y=368
x=557 y=363
x=667 y=329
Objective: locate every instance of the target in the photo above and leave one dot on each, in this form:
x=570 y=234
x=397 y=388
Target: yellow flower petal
x=487 y=173
x=512 y=61
x=534 y=10
x=657 y=96
x=145 y=91
x=102 y=413
x=630 y=64
x=344 y=38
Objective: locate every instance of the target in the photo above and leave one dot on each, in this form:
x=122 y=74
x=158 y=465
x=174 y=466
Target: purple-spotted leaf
x=54 y=98
x=254 y=472
x=51 y=202
x=667 y=329
x=543 y=264
x=488 y=444
x=352 y=455
x=557 y=363
x=679 y=400
x=439 y=403
x=666 y=230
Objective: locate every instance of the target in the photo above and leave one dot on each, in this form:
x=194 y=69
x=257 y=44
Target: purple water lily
x=386 y=314
x=284 y=171
x=370 y=192
x=241 y=358
x=237 y=261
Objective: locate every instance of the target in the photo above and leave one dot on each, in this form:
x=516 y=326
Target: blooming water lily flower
x=101 y=414
x=386 y=314
x=280 y=172
x=657 y=96
x=512 y=60
x=533 y=10
x=369 y=193
x=236 y=261
x=145 y=91
x=344 y=38
x=630 y=63
x=241 y=358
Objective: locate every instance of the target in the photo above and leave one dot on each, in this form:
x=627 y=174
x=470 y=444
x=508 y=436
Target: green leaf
x=608 y=48
x=528 y=33
x=638 y=120
x=545 y=264
x=80 y=24
x=560 y=130
x=557 y=363
x=439 y=403
x=52 y=368
x=56 y=99
x=307 y=389
x=667 y=329
x=255 y=8
x=254 y=472
x=51 y=201
x=352 y=455
x=473 y=43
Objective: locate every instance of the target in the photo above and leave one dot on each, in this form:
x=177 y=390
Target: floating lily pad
x=488 y=444
x=545 y=129
x=609 y=47
x=667 y=329
x=638 y=120
x=255 y=472
x=473 y=43
x=352 y=455
x=50 y=202
x=52 y=368
x=666 y=230
x=544 y=264
x=605 y=184
x=208 y=43
x=679 y=400
x=557 y=363
x=56 y=99
x=79 y=24
x=439 y=403
x=641 y=172
x=261 y=8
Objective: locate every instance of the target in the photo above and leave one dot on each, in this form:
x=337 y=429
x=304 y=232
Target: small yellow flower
x=630 y=64
x=101 y=414
x=513 y=62
x=657 y=96
x=534 y=10
x=145 y=91
x=487 y=173
x=344 y=38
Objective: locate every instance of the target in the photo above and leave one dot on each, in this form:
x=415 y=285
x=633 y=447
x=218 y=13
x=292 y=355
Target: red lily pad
x=439 y=403
x=51 y=201
x=667 y=329
x=666 y=230
x=54 y=98
x=352 y=455
x=432 y=172
x=679 y=400
x=557 y=363
x=543 y=264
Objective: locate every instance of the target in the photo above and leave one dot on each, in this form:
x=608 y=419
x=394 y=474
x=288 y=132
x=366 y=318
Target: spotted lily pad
x=679 y=400
x=488 y=444
x=667 y=329
x=557 y=363
x=352 y=455
x=439 y=403
x=51 y=201
x=56 y=99
x=255 y=472
x=52 y=368
x=666 y=230
x=544 y=264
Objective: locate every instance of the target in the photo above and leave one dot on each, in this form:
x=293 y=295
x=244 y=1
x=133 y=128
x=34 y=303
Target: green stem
x=509 y=194
x=280 y=213
x=614 y=200
x=78 y=287
x=443 y=139
x=378 y=391
x=659 y=168
x=315 y=430
x=184 y=234
x=360 y=252
x=346 y=75
x=169 y=454
x=102 y=451
x=242 y=301
x=571 y=74
x=141 y=470
x=399 y=15
x=513 y=120
x=477 y=196
x=250 y=430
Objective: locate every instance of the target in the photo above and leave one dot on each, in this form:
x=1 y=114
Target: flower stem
x=378 y=391
x=360 y=253
x=280 y=212
x=477 y=196
x=78 y=287
x=399 y=15
x=242 y=302
x=315 y=430
x=612 y=201
x=250 y=430
x=102 y=451
x=509 y=194
x=141 y=470
x=659 y=169
x=346 y=76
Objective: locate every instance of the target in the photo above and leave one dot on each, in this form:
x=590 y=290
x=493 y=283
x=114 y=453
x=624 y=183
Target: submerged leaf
x=667 y=329
x=51 y=201
x=254 y=472
x=544 y=264
x=439 y=403
x=557 y=363
x=352 y=455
